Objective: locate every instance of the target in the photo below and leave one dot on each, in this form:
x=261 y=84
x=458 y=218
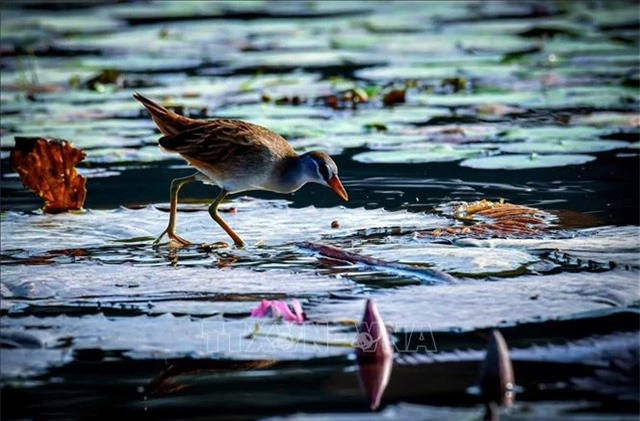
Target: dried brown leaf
x=47 y=167
x=491 y=219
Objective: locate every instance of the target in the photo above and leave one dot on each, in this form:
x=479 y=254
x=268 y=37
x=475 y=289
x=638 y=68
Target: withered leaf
x=47 y=167
x=484 y=218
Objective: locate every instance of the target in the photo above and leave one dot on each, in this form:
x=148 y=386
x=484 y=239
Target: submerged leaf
x=47 y=167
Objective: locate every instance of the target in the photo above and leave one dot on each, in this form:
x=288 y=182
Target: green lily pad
x=423 y=72
x=467 y=100
x=524 y=162
x=563 y=146
x=307 y=60
x=575 y=47
x=70 y=24
x=421 y=154
x=551 y=133
x=143 y=64
x=374 y=140
x=608 y=119
x=41 y=70
x=251 y=111
x=87 y=134
x=126 y=155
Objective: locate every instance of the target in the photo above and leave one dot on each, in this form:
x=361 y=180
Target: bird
x=237 y=156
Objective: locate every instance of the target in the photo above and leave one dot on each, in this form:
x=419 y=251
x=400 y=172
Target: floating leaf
x=421 y=153
x=552 y=133
x=46 y=166
x=521 y=162
x=564 y=146
x=497 y=109
x=487 y=218
x=605 y=119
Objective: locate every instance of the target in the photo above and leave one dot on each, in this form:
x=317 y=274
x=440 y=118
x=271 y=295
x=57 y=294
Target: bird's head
x=320 y=168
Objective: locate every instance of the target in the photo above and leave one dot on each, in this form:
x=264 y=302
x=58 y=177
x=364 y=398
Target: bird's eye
x=324 y=172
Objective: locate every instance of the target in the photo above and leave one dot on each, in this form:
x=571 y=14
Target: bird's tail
x=167 y=121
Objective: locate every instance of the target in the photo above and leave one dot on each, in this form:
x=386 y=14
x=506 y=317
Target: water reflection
x=374 y=376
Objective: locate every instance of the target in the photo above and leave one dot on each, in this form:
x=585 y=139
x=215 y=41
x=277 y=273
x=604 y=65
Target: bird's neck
x=294 y=173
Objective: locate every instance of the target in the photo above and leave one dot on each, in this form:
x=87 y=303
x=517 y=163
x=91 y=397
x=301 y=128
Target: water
x=96 y=322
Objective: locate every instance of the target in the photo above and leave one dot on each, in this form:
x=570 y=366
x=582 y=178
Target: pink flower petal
x=262 y=310
x=284 y=311
x=297 y=309
x=278 y=309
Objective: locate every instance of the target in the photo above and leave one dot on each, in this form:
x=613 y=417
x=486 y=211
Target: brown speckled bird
x=237 y=156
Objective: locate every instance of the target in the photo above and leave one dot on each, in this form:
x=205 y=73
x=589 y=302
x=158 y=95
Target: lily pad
x=97 y=228
x=552 y=133
x=420 y=154
x=563 y=146
x=455 y=260
x=417 y=72
x=274 y=60
x=376 y=140
x=572 y=294
x=522 y=162
x=142 y=64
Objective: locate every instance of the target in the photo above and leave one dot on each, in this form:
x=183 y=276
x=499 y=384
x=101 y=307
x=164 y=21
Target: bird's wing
x=219 y=140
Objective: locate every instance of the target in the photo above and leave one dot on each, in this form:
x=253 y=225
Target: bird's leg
x=171 y=228
x=213 y=211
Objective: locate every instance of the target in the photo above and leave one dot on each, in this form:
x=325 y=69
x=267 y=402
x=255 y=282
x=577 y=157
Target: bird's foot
x=174 y=239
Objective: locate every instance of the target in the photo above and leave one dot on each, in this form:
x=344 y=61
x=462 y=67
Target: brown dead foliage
x=394 y=96
x=484 y=218
x=348 y=99
x=47 y=167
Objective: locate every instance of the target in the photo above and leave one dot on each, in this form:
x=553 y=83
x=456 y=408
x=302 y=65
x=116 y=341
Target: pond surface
x=423 y=106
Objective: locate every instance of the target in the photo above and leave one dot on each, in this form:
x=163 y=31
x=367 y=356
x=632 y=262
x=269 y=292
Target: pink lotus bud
x=374 y=354
x=372 y=341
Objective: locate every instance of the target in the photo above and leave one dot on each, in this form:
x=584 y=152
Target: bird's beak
x=336 y=185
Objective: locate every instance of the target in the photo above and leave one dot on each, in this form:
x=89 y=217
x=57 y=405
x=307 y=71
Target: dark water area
x=423 y=106
x=605 y=189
